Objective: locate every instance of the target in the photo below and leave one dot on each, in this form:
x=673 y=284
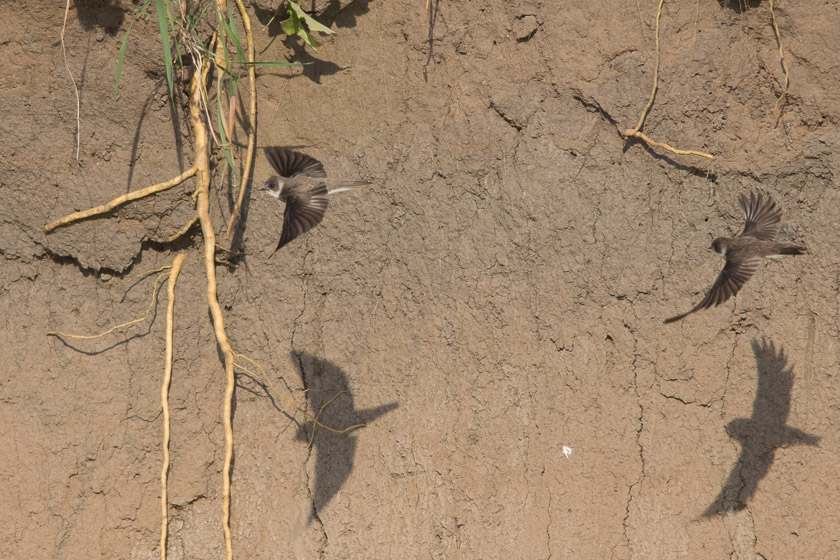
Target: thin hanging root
x=230 y=252
x=321 y=410
x=252 y=120
x=641 y=136
x=123 y=325
x=649 y=105
x=202 y=165
x=187 y=227
x=292 y=404
x=140 y=275
x=135 y=195
x=164 y=399
x=781 y=57
x=637 y=132
x=72 y=79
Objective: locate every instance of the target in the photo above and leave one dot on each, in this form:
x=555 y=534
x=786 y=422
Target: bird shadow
x=331 y=402
x=762 y=433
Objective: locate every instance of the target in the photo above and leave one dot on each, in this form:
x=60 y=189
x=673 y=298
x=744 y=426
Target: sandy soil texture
x=491 y=306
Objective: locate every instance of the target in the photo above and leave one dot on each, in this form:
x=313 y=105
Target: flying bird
x=302 y=184
x=743 y=253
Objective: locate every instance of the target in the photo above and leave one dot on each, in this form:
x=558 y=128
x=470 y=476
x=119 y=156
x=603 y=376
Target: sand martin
x=743 y=254
x=303 y=185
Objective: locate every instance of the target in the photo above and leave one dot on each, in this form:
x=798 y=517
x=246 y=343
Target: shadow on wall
x=739 y=6
x=333 y=13
x=328 y=393
x=763 y=433
x=106 y=14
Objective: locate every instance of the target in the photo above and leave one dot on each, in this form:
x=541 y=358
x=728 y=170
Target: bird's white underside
x=276 y=193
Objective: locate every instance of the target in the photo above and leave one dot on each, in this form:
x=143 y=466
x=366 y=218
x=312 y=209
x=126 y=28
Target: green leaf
x=234 y=34
x=160 y=6
x=310 y=21
x=294 y=25
x=174 y=33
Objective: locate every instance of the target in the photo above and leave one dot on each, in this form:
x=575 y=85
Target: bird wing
x=305 y=208
x=761 y=216
x=733 y=276
x=289 y=163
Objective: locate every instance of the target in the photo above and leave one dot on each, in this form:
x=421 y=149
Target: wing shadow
x=763 y=433
x=329 y=397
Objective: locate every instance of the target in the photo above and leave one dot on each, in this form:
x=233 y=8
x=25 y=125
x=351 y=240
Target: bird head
x=720 y=245
x=274 y=186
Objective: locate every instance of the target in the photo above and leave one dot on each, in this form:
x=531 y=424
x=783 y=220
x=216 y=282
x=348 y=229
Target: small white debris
x=567 y=451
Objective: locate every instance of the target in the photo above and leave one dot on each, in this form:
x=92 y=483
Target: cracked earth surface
x=496 y=295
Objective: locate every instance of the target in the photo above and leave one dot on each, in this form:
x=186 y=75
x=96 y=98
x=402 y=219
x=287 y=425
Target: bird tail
x=341 y=186
x=793 y=250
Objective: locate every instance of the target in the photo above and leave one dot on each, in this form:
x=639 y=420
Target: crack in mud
x=641 y=427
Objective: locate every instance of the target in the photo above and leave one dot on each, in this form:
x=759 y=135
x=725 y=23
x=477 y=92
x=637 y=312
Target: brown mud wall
x=495 y=296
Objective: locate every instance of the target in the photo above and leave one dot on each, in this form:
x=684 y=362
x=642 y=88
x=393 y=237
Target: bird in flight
x=302 y=184
x=743 y=253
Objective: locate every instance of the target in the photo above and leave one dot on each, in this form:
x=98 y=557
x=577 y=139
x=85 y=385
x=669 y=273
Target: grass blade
x=234 y=34
x=120 y=59
x=245 y=62
x=160 y=7
x=141 y=10
x=223 y=136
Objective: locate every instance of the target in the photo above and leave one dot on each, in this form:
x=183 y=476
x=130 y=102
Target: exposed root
x=252 y=120
x=164 y=400
x=641 y=136
x=123 y=325
x=201 y=169
x=291 y=403
x=637 y=131
x=202 y=165
x=187 y=227
x=783 y=96
x=649 y=105
x=128 y=197
x=72 y=79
